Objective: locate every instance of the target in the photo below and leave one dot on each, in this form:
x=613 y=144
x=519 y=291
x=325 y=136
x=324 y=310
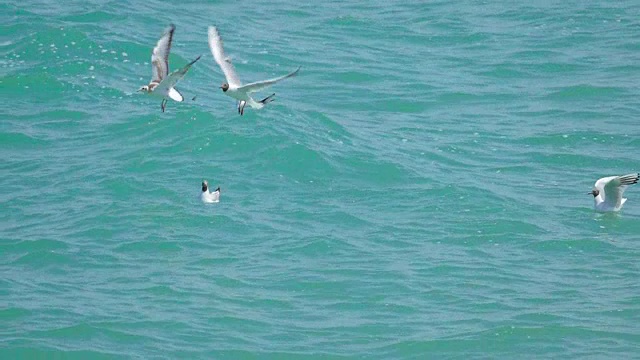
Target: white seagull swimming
x=162 y=83
x=207 y=196
x=233 y=87
x=607 y=192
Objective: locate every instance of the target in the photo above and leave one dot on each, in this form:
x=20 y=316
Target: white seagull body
x=209 y=197
x=233 y=87
x=162 y=83
x=607 y=192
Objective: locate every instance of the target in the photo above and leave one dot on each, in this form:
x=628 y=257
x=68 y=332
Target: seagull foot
x=241 y=105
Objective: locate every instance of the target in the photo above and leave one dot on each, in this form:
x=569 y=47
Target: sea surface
x=418 y=191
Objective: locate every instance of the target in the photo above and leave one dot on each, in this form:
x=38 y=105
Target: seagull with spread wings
x=162 y=83
x=233 y=87
x=607 y=192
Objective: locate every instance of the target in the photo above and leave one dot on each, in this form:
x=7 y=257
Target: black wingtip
x=194 y=61
x=218 y=189
x=630 y=179
x=268 y=99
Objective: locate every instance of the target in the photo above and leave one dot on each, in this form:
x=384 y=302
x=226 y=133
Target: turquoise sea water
x=418 y=191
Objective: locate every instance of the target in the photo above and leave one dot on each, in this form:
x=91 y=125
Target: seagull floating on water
x=162 y=83
x=233 y=87
x=207 y=196
x=607 y=192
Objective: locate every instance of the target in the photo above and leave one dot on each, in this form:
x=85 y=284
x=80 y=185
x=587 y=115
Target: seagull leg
x=241 y=105
x=163 y=105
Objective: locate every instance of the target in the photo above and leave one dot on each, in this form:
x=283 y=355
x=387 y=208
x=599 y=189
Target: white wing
x=215 y=44
x=172 y=79
x=160 y=55
x=259 y=85
x=210 y=197
x=615 y=187
x=215 y=196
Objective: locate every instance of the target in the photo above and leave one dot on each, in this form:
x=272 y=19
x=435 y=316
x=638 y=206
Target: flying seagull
x=162 y=83
x=207 y=196
x=233 y=87
x=607 y=192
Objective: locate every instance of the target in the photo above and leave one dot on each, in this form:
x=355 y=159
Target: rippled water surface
x=418 y=191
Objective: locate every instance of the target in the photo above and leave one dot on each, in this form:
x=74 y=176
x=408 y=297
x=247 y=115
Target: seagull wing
x=160 y=55
x=259 y=85
x=615 y=187
x=215 y=196
x=215 y=44
x=172 y=79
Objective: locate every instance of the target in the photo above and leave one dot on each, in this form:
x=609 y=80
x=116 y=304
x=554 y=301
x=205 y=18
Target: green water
x=418 y=191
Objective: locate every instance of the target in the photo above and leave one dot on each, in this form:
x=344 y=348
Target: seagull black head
x=205 y=185
x=224 y=87
x=595 y=192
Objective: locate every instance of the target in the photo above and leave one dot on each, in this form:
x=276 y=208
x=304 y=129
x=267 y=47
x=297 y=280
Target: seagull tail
x=629 y=179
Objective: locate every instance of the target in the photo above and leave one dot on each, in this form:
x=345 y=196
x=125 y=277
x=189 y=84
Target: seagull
x=233 y=87
x=162 y=84
x=607 y=192
x=207 y=196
